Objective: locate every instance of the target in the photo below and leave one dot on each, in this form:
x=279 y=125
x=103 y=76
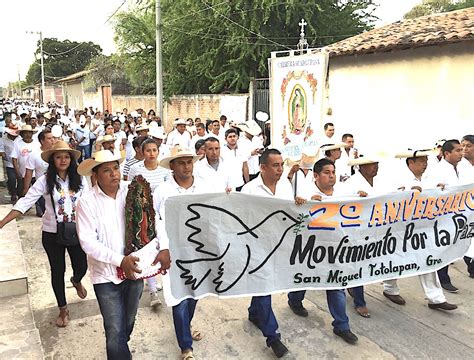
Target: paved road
x=412 y=331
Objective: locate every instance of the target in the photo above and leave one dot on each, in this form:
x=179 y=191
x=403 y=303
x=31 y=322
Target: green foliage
x=61 y=58
x=214 y=45
x=428 y=7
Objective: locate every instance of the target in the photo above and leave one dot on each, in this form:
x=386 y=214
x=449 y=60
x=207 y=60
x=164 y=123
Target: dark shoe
x=299 y=310
x=278 y=348
x=471 y=276
x=397 y=299
x=254 y=321
x=346 y=335
x=443 y=306
x=450 y=288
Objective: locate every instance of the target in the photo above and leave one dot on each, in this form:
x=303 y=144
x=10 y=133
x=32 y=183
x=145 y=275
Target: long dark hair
x=75 y=180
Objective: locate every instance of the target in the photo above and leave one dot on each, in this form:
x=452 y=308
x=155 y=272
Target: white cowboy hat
x=27 y=128
x=105 y=138
x=142 y=127
x=60 y=146
x=414 y=153
x=250 y=127
x=328 y=147
x=363 y=160
x=178 y=152
x=99 y=157
x=156 y=133
x=179 y=122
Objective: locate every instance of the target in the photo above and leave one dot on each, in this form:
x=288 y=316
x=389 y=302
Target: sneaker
x=299 y=310
x=450 y=288
x=278 y=348
x=346 y=335
x=154 y=300
x=443 y=306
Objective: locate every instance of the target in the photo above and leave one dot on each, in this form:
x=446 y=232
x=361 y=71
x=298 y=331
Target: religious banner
x=296 y=98
x=240 y=245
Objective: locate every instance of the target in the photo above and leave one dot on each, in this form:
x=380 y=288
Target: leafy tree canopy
x=61 y=58
x=428 y=7
x=214 y=45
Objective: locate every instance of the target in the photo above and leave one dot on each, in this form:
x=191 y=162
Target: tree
x=428 y=7
x=215 y=46
x=61 y=58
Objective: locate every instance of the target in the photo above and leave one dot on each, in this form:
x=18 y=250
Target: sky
x=83 y=20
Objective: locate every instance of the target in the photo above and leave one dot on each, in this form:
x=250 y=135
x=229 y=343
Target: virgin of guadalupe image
x=297 y=110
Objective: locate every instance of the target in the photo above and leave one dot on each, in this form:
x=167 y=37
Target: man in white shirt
x=268 y=184
x=179 y=136
x=251 y=143
x=329 y=133
x=120 y=136
x=237 y=159
x=200 y=134
x=8 y=140
x=101 y=229
x=322 y=188
x=82 y=135
x=447 y=173
x=212 y=169
x=22 y=150
x=414 y=179
x=349 y=153
x=182 y=182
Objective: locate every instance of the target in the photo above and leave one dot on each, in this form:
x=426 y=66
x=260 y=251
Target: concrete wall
x=184 y=106
x=74 y=95
x=93 y=99
x=402 y=99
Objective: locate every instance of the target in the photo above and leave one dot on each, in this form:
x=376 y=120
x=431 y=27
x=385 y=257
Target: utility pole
x=40 y=33
x=19 y=80
x=159 y=69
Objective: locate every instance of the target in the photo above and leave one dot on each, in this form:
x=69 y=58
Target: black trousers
x=470 y=265
x=57 y=262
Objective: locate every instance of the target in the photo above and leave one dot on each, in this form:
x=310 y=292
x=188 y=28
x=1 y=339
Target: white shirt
x=8 y=145
x=82 y=132
x=235 y=158
x=154 y=177
x=300 y=181
x=215 y=180
x=358 y=183
x=466 y=171
x=119 y=136
x=247 y=146
x=50 y=216
x=37 y=164
x=176 y=138
x=101 y=230
x=21 y=152
x=160 y=195
x=283 y=189
x=445 y=173
x=196 y=138
x=406 y=179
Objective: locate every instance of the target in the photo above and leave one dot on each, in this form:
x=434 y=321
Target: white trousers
x=429 y=282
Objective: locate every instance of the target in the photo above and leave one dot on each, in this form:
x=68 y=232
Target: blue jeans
x=261 y=310
x=336 y=303
x=359 y=299
x=85 y=152
x=183 y=314
x=118 y=305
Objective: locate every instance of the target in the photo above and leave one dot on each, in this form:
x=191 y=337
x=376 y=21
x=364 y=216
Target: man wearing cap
x=101 y=229
x=322 y=188
x=182 y=182
x=268 y=184
x=8 y=140
x=251 y=144
x=414 y=178
x=22 y=149
x=179 y=136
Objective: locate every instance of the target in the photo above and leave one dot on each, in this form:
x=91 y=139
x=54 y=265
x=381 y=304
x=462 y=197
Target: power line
x=209 y=7
x=116 y=11
x=64 y=52
x=250 y=31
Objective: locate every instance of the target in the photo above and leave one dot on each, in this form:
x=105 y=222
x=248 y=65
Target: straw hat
x=305 y=162
x=328 y=147
x=27 y=128
x=178 y=152
x=363 y=160
x=250 y=127
x=414 y=153
x=60 y=146
x=179 y=122
x=142 y=127
x=100 y=157
x=105 y=138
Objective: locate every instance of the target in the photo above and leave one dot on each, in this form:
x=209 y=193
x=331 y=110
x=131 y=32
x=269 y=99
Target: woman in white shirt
x=64 y=185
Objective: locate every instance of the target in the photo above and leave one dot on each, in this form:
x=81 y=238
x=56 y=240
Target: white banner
x=296 y=102
x=240 y=245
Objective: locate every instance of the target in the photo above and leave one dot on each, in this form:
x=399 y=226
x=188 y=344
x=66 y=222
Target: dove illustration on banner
x=237 y=235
